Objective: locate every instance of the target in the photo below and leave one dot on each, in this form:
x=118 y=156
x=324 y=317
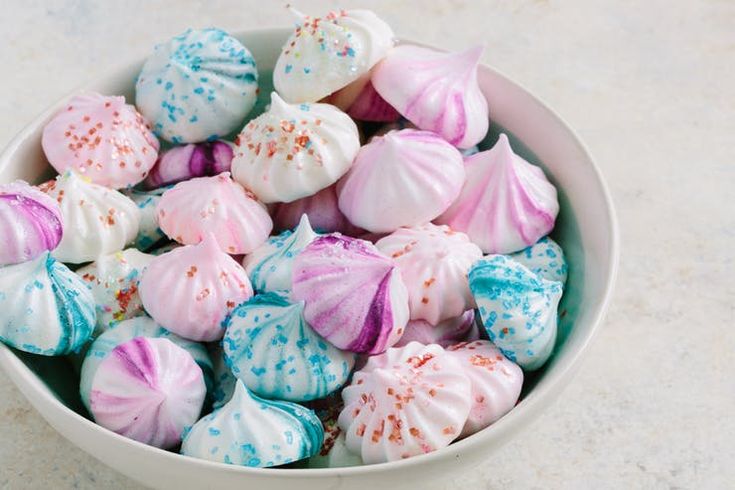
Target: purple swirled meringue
x=370 y=106
x=193 y=160
x=404 y=178
x=30 y=223
x=436 y=91
x=506 y=204
x=355 y=297
x=462 y=328
x=322 y=210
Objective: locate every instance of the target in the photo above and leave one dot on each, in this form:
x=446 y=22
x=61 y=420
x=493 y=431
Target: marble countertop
x=649 y=87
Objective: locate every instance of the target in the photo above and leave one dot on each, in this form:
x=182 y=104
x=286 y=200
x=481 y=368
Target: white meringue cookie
x=545 y=258
x=294 y=151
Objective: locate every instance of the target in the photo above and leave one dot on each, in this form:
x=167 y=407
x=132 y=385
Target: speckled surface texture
x=649 y=86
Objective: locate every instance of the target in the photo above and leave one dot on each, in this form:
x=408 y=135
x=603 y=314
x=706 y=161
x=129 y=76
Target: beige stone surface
x=649 y=86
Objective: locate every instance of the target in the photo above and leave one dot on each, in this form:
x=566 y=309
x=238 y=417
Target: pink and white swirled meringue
x=404 y=178
x=434 y=262
x=436 y=91
x=506 y=205
x=217 y=205
x=355 y=297
x=370 y=106
x=103 y=138
x=322 y=210
x=149 y=390
x=30 y=223
x=496 y=382
x=191 y=289
x=405 y=402
x=193 y=160
x=462 y=328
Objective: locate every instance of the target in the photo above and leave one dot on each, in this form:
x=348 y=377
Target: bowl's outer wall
x=586 y=229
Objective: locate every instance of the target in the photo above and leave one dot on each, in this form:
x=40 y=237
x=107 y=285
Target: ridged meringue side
x=294 y=150
x=269 y=266
x=545 y=258
x=97 y=220
x=355 y=297
x=149 y=390
x=217 y=205
x=251 y=431
x=198 y=86
x=404 y=178
x=496 y=382
x=45 y=308
x=462 y=328
x=321 y=208
x=191 y=289
x=102 y=138
x=518 y=309
x=327 y=53
x=434 y=262
x=506 y=203
x=405 y=402
x=149 y=233
x=188 y=161
x=436 y=91
x=30 y=223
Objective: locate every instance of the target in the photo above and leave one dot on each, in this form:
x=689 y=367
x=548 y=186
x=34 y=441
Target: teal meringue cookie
x=251 y=431
x=518 y=309
x=545 y=258
x=149 y=233
x=127 y=330
x=45 y=308
x=269 y=266
x=224 y=380
x=270 y=347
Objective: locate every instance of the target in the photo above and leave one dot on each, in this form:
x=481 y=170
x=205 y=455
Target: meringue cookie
x=545 y=258
x=506 y=204
x=148 y=390
x=251 y=431
x=294 y=151
x=518 y=309
x=124 y=331
x=191 y=290
x=269 y=266
x=434 y=261
x=30 y=223
x=404 y=178
x=462 y=328
x=354 y=296
x=182 y=163
x=148 y=231
x=408 y=401
x=496 y=382
x=273 y=351
x=97 y=220
x=436 y=91
x=102 y=138
x=164 y=248
x=224 y=380
x=327 y=53
x=370 y=106
x=113 y=280
x=216 y=205
x=46 y=308
x=334 y=452
x=321 y=208
x=198 y=86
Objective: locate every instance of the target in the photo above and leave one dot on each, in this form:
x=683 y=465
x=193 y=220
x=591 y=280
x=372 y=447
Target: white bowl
x=586 y=230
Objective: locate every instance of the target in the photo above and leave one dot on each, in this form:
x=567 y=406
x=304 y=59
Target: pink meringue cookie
x=434 y=262
x=405 y=402
x=436 y=91
x=355 y=297
x=404 y=178
x=506 y=205
x=30 y=223
x=191 y=290
x=496 y=382
x=462 y=328
x=149 y=390
x=322 y=210
x=216 y=205
x=370 y=106
x=103 y=138
x=194 y=160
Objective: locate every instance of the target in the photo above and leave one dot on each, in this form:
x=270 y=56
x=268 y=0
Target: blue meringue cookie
x=148 y=231
x=269 y=266
x=270 y=347
x=518 y=309
x=45 y=308
x=124 y=331
x=198 y=86
x=224 y=380
x=545 y=258
x=251 y=431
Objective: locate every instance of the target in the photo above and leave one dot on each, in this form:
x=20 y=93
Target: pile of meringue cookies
x=351 y=281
